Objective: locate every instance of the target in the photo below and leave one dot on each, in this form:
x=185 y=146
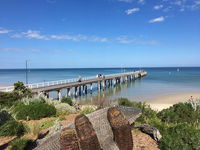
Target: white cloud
x=159 y=19
x=28 y=50
x=178 y=2
x=98 y=39
x=126 y=40
x=183 y=5
x=51 y=1
x=157 y=7
x=127 y=1
x=130 y=1
x=68 y=37
x=16 y=35
x=197 y=2
x=4 y=31
x=141 y=2
x=131 y=11
x=32 y=34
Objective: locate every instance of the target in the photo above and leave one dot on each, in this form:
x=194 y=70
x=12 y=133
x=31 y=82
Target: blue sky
x=99 y=33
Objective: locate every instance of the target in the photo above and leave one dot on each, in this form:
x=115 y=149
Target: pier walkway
x=80 y=86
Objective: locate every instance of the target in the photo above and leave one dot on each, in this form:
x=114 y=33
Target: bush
x=22 y=90
x=20 y=144
x=180 y=113
x=12 y=128
x=180 y=136
x=64 y=109
x=8 y=98
x=87 y=109
x=124 y=102
x=4 y=116
x=178 y=125
x=27 y=101
x=34 y=111
x=67 y=100
x=147 y=113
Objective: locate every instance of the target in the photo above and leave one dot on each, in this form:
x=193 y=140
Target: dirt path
x=143 y=141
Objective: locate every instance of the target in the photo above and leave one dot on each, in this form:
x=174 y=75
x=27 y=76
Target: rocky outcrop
x=121 y=129
x=152 y=131
x=106 y=129
x=86 y=134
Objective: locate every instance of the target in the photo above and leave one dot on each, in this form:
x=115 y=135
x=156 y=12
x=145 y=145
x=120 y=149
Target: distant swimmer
x=191 y=98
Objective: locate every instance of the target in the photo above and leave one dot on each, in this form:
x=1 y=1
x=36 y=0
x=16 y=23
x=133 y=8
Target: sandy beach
x=2 y=86
x=167 y=101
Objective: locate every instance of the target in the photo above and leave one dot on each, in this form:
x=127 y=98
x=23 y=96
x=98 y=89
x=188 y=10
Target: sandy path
x=167 y=101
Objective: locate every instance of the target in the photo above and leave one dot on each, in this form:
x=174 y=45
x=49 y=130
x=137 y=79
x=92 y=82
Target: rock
x=86 y=134
x=152 y=131
x=103 y=129
x=121 y=129
x=131 y=113
x=107 y=129
x=68 y=140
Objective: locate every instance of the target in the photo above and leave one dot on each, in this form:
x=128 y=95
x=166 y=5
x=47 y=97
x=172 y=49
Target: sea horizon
x=100 y=67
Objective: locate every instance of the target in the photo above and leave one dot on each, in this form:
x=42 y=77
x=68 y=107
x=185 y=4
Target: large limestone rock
x=121 y=129
x=105 y=129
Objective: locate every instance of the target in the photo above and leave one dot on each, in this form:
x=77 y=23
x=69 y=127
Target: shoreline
x=164 y=102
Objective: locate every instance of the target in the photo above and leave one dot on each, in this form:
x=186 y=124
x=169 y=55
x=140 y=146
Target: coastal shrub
x=180 y=136
x=180 y=113
x=178 y=125
x=4 y=116
x=147 y=113
x=27 y=101
x=22 y=90
x=67 y=100
x=124 y=102
x=34 y=111
x=195 y=104
x=20 y=144
x=12 y=128
x=33 y=128
x=87 y=109
x=8 y=98
x=64 y=109
x=56 y=127
x=46 y=124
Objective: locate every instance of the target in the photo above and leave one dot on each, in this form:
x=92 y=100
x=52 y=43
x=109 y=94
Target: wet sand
x=167 y=101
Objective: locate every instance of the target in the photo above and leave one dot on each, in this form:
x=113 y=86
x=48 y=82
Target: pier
x=78 y=87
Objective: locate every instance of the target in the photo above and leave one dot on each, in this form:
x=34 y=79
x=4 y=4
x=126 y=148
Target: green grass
x=12 y=128
x=20 y=144
x=47 y=124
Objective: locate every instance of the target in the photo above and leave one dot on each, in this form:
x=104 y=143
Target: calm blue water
x=158 y=82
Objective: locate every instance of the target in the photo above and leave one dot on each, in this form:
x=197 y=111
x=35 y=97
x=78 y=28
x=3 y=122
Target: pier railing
x=59 y=82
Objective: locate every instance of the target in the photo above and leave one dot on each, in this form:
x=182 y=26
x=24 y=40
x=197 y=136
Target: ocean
x=158 y=82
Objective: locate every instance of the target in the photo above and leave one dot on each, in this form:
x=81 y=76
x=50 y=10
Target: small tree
x=22 y=90
x=67 y=100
